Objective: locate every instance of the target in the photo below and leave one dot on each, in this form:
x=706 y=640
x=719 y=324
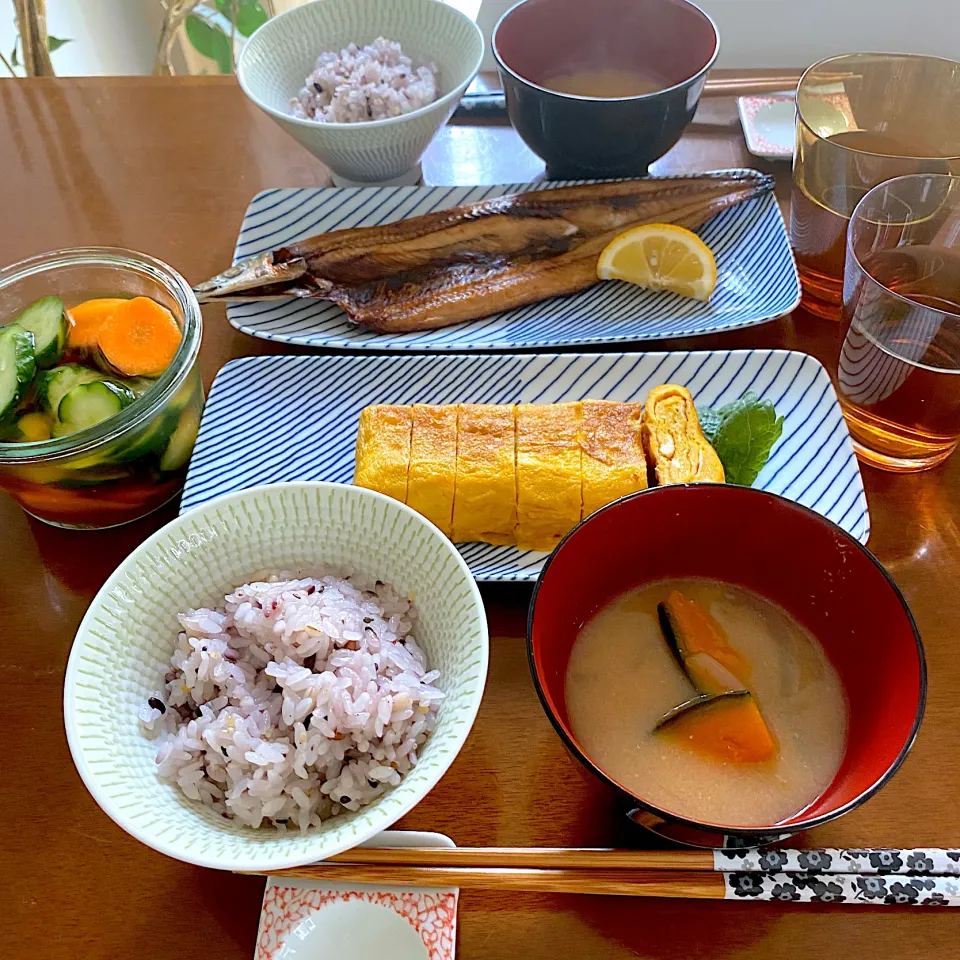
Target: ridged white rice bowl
x=282 y=52
x=233 y=701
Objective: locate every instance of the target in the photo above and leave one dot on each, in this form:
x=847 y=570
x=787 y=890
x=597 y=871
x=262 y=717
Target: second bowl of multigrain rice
x=276 y=676
x=402 y=65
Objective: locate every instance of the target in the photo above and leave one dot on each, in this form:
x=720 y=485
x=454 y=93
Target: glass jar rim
x=839 y=58
x=143 y=408
x=869 y=276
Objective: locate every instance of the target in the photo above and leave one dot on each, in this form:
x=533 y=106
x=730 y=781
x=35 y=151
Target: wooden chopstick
x=698 y=885
x=891 y=862
x=537 y=858
x=744 y=86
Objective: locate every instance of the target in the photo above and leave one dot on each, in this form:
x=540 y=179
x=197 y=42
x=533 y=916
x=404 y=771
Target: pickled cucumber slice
x=53 y=385
x=88 y=404
x=181 y=443
x=17 y=368
x=47 y=321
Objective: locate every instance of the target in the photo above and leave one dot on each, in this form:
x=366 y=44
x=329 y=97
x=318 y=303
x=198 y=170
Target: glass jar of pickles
x=100 y=397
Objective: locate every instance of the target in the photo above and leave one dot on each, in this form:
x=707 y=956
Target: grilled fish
x=474 y=260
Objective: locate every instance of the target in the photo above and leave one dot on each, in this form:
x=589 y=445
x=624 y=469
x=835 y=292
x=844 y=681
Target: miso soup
x=606 y=83
x=787 y=718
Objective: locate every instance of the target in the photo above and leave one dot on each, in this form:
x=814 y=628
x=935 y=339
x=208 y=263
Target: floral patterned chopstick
x=873 y=860
x=921 y=877
x=868 y=889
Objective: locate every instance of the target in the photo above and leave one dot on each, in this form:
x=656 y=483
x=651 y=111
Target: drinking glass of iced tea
x=898 y=375
x=863 y=118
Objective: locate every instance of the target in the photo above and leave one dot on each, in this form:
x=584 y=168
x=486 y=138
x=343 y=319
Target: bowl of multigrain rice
x=364 y=85
x=276 y=676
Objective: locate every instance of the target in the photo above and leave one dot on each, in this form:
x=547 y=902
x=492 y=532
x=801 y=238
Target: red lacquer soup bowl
x=823 y=577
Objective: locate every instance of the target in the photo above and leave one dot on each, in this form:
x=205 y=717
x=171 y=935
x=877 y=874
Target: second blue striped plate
x=757 y=278
x=270 y=419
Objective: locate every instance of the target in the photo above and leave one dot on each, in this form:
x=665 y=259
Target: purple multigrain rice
x=288 y=706
x=361 y=84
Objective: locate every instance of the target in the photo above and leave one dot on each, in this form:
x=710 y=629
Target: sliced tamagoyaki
x=673 y=440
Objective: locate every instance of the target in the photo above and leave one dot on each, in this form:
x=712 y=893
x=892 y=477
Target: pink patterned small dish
x=312 y=920
x=769 y=124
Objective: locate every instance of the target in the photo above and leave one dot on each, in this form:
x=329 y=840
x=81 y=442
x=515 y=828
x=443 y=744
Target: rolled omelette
x=612 y=463
x=526 y=474
x=433 y=463
x=548 y=473
x=485 y=502
x=673 y=439
x=383 y=450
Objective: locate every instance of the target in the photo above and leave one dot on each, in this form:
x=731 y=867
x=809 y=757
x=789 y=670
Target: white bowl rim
x=455 y=93
x=266 y=862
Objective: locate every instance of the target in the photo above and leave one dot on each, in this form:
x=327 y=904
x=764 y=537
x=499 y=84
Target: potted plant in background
x=33 y=45
x=214 y=32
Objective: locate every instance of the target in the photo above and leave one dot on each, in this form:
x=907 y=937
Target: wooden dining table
x=167 y=166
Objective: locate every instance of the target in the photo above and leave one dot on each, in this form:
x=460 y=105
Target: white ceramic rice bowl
x=278 y=57
x=122 y=650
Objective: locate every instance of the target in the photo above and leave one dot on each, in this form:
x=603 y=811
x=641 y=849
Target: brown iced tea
x=863 y=119
x=828 y=183
x=899 y=369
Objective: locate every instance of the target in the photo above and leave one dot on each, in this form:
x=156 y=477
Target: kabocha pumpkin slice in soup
x=433 y=460
x=709 y=675
x=726 y=726
x=485 y=501
x=622 y=682
x=383 y=450
x=139 y=339
x=696 y=639
x=673 y=440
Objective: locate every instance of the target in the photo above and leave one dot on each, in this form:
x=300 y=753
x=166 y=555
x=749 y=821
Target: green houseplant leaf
x=211 y=41
x=249 y=14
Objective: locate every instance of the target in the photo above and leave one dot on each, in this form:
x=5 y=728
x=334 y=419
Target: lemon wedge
x=661 y=256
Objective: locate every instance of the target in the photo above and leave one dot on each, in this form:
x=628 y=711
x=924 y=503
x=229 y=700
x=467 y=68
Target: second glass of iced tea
x=863 y=118
x=898 y=376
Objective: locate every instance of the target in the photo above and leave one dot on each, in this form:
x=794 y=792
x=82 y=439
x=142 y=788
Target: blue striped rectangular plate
x=757 y=278
x=270 y=419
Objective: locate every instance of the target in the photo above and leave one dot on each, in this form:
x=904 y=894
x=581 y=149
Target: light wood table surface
x=167 y=166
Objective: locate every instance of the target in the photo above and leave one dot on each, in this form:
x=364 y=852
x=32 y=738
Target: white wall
x=120 y=36
x=795 y=33
x=110 y=37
